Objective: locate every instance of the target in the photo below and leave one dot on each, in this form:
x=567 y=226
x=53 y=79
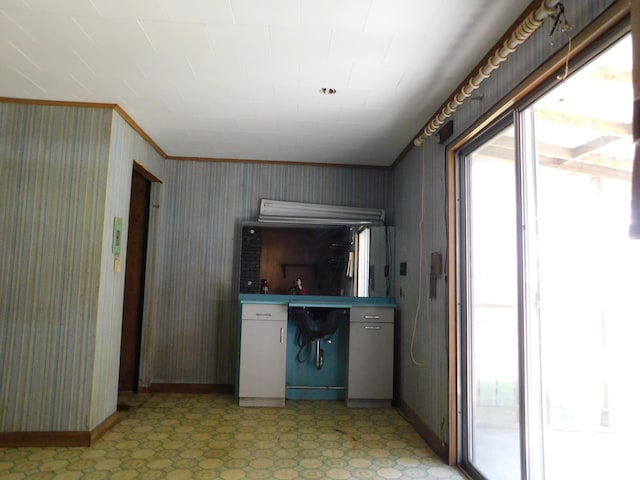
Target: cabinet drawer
x=264 y=311
x=371 y=315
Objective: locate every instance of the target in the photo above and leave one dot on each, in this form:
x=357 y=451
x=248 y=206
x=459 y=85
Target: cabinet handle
x=370 y=317
x=281 y=334
x=371 y=327
x=263 y=315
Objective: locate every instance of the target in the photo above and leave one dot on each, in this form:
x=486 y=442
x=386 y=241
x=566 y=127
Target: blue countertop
x=317 y=300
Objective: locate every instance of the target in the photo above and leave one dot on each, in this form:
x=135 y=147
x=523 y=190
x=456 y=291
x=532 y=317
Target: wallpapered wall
x=420 y=180
x=125 y=147
x=65 y=173
x=190 y=330
x=52 y=162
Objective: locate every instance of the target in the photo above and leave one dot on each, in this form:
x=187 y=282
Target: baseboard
x=103 y=427
x=424 y=431
x=367 y=403
x=209 y=388
x=261 y=402
x=57 y=439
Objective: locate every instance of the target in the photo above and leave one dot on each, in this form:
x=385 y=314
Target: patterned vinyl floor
x=175 y=436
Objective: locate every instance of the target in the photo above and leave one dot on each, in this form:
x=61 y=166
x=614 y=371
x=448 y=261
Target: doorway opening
x=132 y=309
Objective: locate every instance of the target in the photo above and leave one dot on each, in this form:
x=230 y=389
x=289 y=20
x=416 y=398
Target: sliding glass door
x=549 y=281
x=589 y=270
x=491 y=333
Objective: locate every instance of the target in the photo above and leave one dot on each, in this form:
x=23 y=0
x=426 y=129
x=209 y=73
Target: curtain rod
x=520 y=35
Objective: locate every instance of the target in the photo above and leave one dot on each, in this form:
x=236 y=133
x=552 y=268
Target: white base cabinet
x=263 y=349
x=263 y=356
x=370 y=372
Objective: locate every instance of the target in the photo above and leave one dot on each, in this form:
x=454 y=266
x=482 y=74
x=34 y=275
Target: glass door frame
x=606 y=30
x=465 y=419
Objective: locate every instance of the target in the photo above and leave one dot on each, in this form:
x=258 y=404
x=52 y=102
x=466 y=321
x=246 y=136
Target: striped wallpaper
x=125 y=147
x=190 y=332
x=65 y=173
x=52 y=164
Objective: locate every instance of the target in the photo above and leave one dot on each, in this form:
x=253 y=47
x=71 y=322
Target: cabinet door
x=370 y=360
x=263 y=359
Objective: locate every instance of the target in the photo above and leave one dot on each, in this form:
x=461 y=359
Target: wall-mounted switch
x=117 y=235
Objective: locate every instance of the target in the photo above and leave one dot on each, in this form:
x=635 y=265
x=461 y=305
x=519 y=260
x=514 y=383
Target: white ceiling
x=240 y=79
